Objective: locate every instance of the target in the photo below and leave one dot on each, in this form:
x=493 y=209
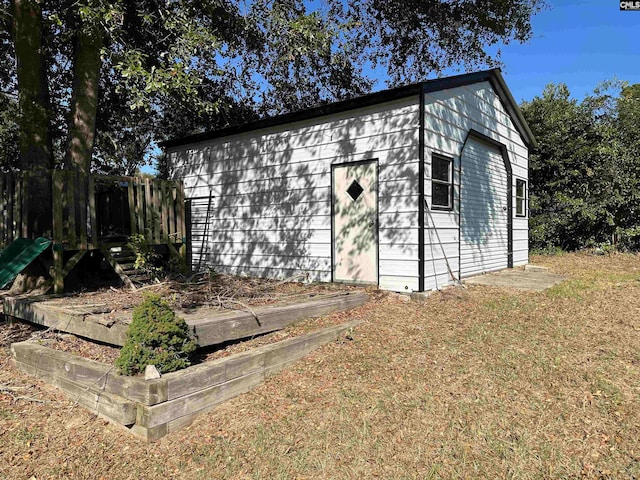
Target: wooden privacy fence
x=12 y=203
x=92 y=211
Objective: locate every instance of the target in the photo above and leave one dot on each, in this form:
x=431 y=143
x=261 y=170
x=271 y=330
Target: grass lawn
x=475 y=383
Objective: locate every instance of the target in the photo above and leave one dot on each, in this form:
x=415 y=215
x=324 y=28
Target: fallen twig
x=153 y=285
x=223 y=300
x=7 y=390
x=75 y=403
x=286 y=280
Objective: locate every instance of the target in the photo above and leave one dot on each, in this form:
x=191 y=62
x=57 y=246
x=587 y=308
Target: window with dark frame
x=521 y=198
x=441 y=183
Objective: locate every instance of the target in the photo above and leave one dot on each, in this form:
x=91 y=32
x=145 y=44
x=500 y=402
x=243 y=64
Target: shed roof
x=493 y=76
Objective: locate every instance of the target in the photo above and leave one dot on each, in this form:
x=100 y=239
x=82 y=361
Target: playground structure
x=96 y=213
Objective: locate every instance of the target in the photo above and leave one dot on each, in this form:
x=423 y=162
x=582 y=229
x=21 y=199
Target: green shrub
x=146 y=258
x=629 y=239
x=157 y=337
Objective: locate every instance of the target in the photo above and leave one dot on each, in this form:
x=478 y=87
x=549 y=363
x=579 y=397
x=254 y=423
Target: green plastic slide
x=18 y=255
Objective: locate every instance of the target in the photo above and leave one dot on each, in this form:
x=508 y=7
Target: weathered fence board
x=155 y=208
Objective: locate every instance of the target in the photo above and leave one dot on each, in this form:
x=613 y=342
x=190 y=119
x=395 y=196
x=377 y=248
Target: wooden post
x=26 y=227
x=58 y=269
x=172 y=213
x=82 y=206
x=132 y=205
x=157 y=211
x=92 y=211
x=164 y=188
x=180 y=220
x=57 y=177
x=4 y=195
x=17 y=208
x=140 y=206
x=11 y=195
x=148 y=210
x=71 y=195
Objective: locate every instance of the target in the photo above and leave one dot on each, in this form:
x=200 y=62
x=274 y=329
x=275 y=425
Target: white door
x=483 y=210
x=355 y=219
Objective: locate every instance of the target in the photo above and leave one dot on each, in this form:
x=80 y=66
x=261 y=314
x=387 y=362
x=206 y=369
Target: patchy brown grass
x=475 y=383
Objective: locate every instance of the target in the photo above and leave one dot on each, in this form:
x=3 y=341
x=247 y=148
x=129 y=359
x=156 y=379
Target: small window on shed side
x=441 y=183
x=521 y=198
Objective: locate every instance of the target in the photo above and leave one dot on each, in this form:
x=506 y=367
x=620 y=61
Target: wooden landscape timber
x=208 y=325
x=154 y=408
x=111 y=407
x=214 y=329
x=39 y=310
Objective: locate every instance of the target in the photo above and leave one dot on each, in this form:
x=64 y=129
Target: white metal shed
x=407 y=188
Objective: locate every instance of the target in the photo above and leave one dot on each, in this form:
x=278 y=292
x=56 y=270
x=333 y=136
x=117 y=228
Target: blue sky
x=580 y=43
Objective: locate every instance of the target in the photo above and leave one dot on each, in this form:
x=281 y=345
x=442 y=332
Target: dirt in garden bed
x=12 y=332
x=220 y=292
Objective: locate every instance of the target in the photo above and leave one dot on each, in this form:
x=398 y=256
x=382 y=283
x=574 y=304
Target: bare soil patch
x=481 y=382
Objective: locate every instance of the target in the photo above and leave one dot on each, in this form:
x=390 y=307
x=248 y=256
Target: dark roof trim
x=510 y=105
x=493 y=76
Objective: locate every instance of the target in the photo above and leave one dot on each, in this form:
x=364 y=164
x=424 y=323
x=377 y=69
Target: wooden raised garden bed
x=209 y=326
x=153 y=408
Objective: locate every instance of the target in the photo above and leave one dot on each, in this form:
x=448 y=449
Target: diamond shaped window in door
x=355 y=190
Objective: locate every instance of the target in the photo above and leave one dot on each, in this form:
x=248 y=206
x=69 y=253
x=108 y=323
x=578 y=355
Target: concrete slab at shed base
x=529 y=279
x=151 y=409
x=535 y=268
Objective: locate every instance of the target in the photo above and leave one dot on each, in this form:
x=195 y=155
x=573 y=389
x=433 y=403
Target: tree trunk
x=35 y=114
x=84 y=99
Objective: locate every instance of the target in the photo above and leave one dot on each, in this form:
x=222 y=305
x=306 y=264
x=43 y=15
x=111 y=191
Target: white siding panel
x=238 y=260
x=440 y=266
x=271 y=192
x=399 y=204
x=398 y=252
x=444 y=250
x=273 y=201
x=437 y=273
x=440 y=221
x=449 y=115
x=397 y=220
x=248 y=211
x=265 y=248
x=443 y=235
x=287 y=272
x=284 y=238
x=520 y=241
x=399 y=283
x=483 y=210
x=399 y=236
x=403 y=268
